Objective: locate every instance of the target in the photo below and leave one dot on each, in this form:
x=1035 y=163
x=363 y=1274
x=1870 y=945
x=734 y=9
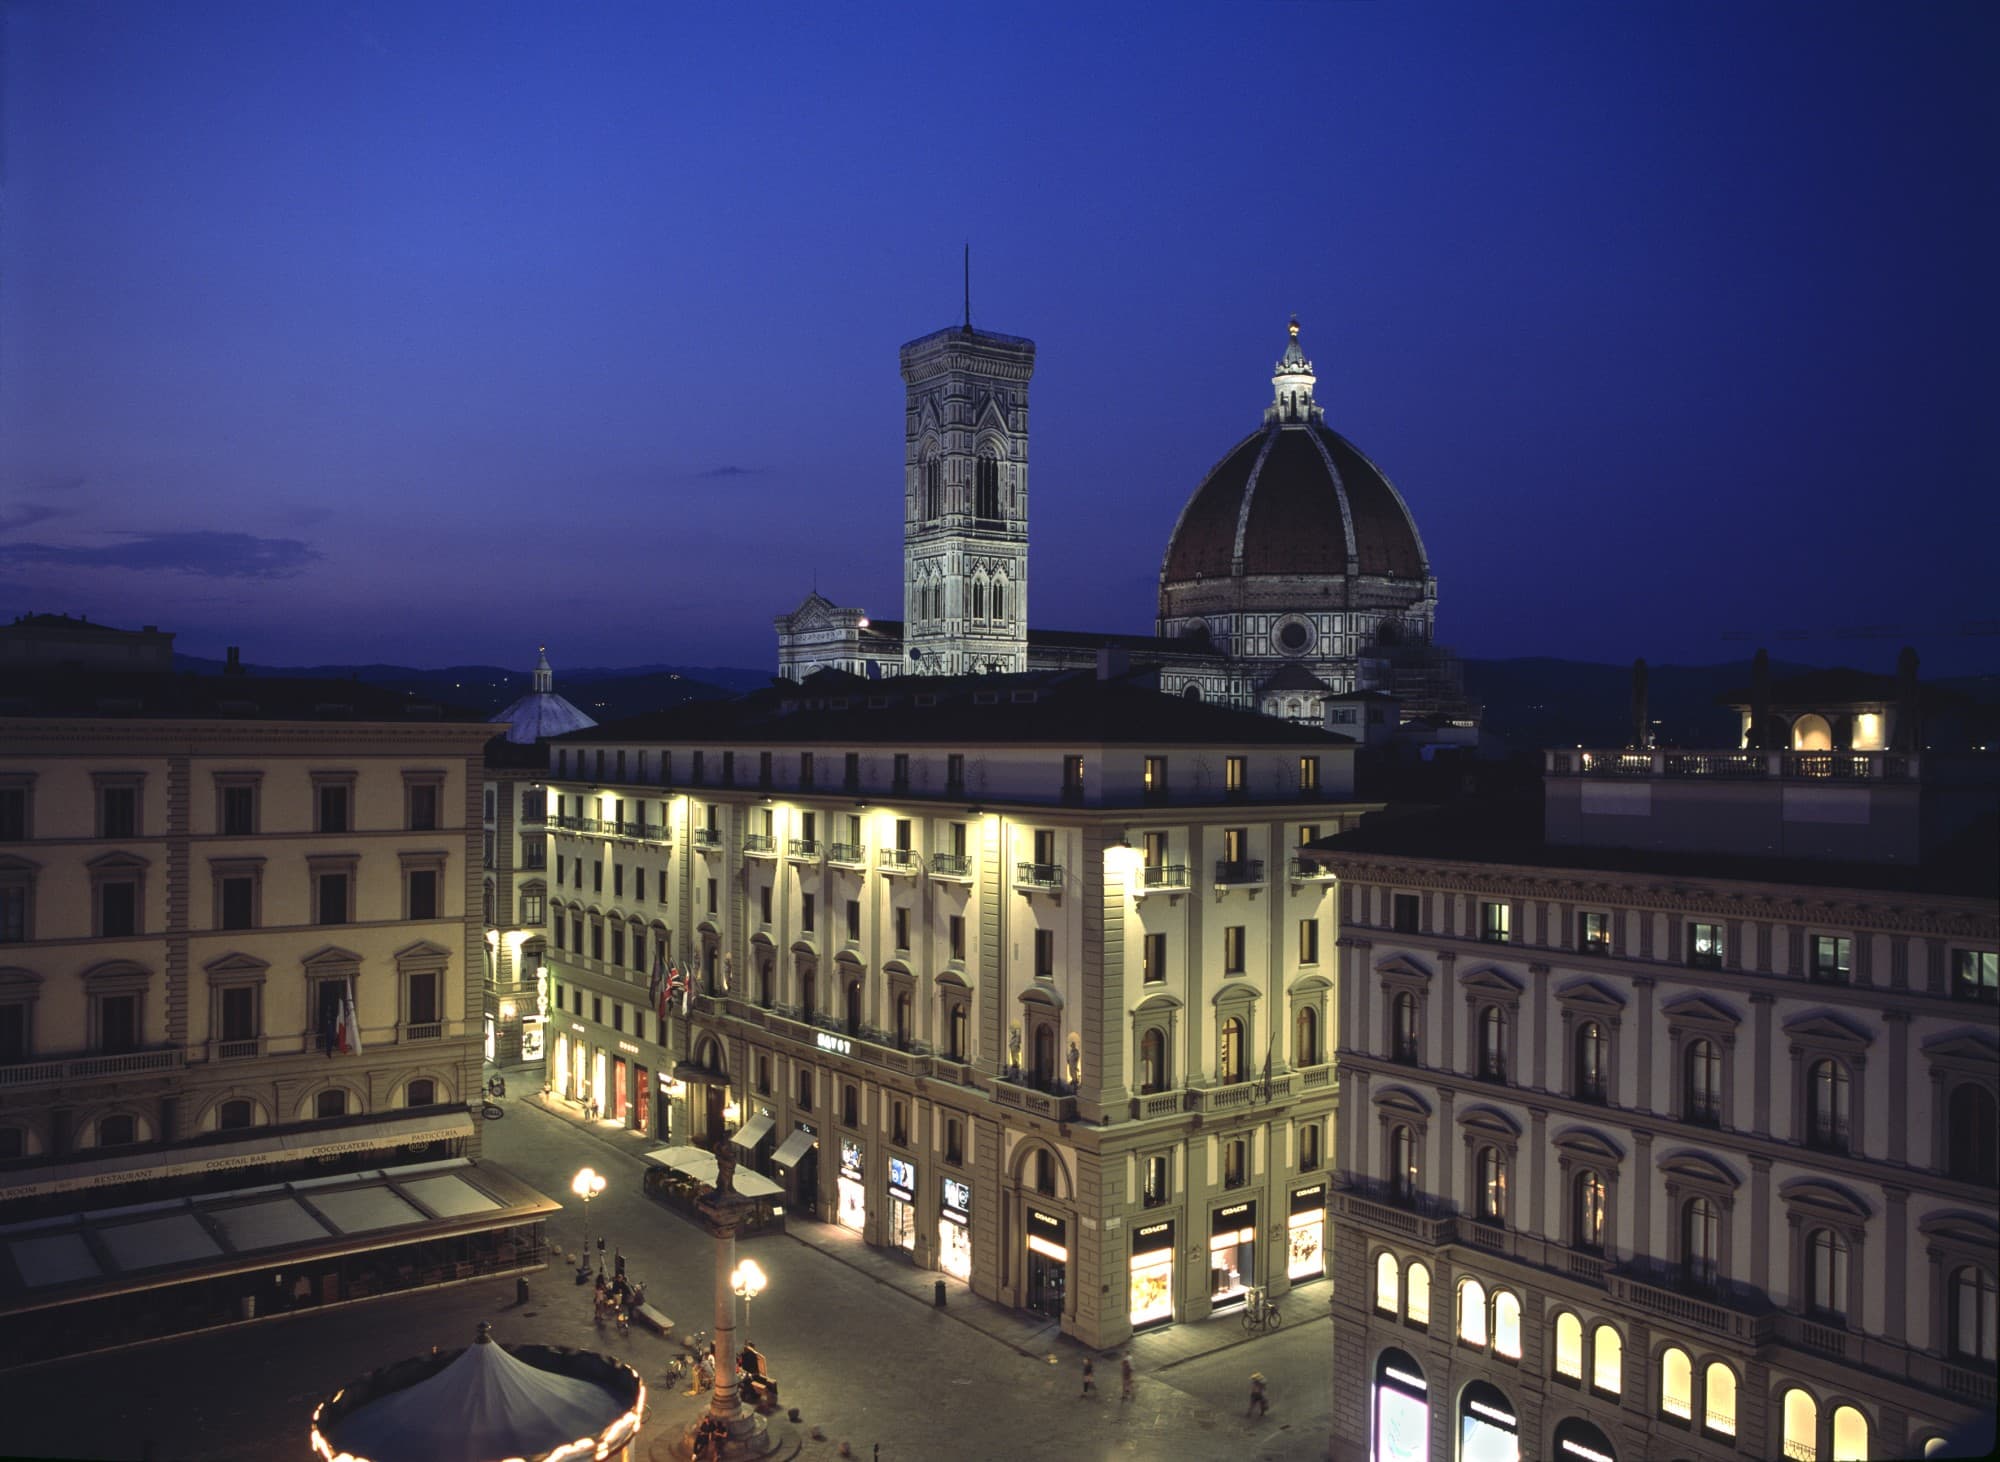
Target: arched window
x=1701 y=1240
x=1305 y=1037
x=1569 y=1346
x=1972 y=1314
x=933 y=487
x=1589 y=1082
x=330 y=1103
x=1404 y=1042
x=1719 y=1399
x=1388 y=1288
x=1850 y=1435
x=1418 y=1279
x=1589 y=1216
x=999 y=599
x=1492 y=1185
x=1606 y=1361
x=1826 y=1274
x=1703 y=1090
x=1472 y=1312
x=1152 y=1061
x=1676 y=1383
x=1229 y=1055
x=1402 y=1163
x=1969 y=1133
x=1493 y=1044
x=1045 y=1172
x=1826 y=1105
x=1507 y=1325
x=986 y=484
x=1801 y=1414
x=979 y=599
x=239 y=1113
x=421 y=1092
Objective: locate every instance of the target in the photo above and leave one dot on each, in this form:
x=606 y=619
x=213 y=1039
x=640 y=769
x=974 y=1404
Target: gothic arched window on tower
x=933 y=487
x=987 y=486
x=979 y=601
x=999 y=599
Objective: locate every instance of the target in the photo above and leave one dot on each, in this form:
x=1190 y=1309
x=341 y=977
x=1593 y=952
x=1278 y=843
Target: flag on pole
x=347 y=1032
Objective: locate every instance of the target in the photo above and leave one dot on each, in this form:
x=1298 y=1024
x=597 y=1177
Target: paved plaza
x=849 y=1333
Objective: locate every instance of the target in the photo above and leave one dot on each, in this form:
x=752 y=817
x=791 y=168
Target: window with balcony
x=1705 y=946
x=1232 y=949
x=1493 y=1044
x=1406 y=910
x=1975 y=975
x=1495 y=922
x=1404 y=1177
x=1588 y=1207
x=237 y=1018
x=1491 y=1175
x=958 y=1031
x=1701 y=1244
x=1403 y=1025
x=1972 y=1314
x=1832 y=959
x=1153 y=1073
x=1305 y=1037
x=1587 y=1082
x=1593 y=932
x=1826 y=1275
x=1702 y=1089
x=16 y=1027
x=116 y=1016
x=1826 y=1105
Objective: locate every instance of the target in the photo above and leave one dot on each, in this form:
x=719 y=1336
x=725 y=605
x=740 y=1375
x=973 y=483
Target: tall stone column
x=723 y=1212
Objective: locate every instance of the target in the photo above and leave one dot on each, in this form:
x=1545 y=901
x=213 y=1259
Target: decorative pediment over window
x=1404 y=966
x=1587 y=1144
x=1241 y=992
x=116 y=863
x=952 y=979
x=1160 y=1004
x=422 y=949
x=19 y=983
x=801 y=947
x=1829 y=1200
x=1492 y=983
x=1483 y=1118
x=1589 y=998
x=331 y=960
x=1401 y=1099
x=1697 y=1167
x=1309 y=985
x=1822 y=1029
x=235 y=968
x=1701 y=1012
x=1961 y=1226
x=760 y=941
x=896 y=969
x=1964 y=1044
x=1046 y=996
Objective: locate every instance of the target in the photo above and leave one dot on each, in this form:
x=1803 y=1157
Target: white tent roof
x=484 y=1406
x=701 y=1166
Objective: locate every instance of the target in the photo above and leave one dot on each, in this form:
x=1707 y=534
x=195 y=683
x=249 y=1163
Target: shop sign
x=1047 y=1223
x=1308 y=1200
x=957 y=1201
x=576 y=1026
x=1153 y=1236
x=628 y=1048
x=850 y=1158
x=903 y=1179
x=839 y=1045
x=1236 y=1215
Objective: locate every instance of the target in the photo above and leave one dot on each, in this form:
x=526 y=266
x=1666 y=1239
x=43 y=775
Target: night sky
x=429 y=333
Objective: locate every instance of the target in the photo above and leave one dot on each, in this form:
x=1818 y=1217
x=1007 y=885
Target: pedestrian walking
x=1258 y=1401
x=1089 y=1377
x=1125 y=1379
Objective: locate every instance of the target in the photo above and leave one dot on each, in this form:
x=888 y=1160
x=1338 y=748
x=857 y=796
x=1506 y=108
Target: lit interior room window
x=1386 y=1286
x=1720 y=1385
x=1801 y=1426
x=1569 y=1346
x=1850 y=1435
x=1419 y=1312
x=1676 y=1383
x=1472 y=1312
x=1606 y=1372
x=1507 y=1325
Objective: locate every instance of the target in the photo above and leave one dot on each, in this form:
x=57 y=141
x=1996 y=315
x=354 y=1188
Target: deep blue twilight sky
x=432 y=332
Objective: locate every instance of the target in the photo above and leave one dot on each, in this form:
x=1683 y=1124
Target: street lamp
x=586 y=1185
x=748 y=1281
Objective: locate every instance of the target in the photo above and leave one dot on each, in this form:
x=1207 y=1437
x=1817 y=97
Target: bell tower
x=965 y=502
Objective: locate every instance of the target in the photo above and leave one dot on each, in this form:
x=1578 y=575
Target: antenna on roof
x=968 y=286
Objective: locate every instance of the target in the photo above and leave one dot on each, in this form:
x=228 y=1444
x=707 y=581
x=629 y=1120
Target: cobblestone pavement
x=850 y=1335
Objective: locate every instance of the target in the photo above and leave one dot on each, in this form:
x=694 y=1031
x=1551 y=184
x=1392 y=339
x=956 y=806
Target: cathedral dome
x=1294 y=499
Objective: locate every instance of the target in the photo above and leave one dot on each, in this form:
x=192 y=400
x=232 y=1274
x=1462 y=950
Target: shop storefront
x=797 y=1162
x=616 y=1106
x=1488 y=1429
x=903 y=1203
x=1305 y=1247
x=532 y=1029
x=598 y=1081
x=1232 y=1253
x=1048 y=1263
x=852 y=1192
x=1153 y=1273
x=559 y=1076
x=955 y=1231
x=643 y=1086
x=1400 y=1417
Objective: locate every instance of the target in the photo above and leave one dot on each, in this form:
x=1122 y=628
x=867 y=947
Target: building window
x=1235 y=775
x=1407 y=912
x=902 y=922
x=959 y=1029
x=1072 y=777
x=117 y=906
x=1826 y=1105
x=1587 y=1220
x=986 y=487
x=421 y=1092
x=1403 y=1046
x=1850 y=1433
x=1705 y=946
x=1418 y=1301
x=954 y=1141
x=1045 y=954
x=332 y=798
x=805 y=911
x=1232 y=949
x=1229 y=1052
x=1593 y=933
x=1309 y=1147
x=1403 y=1174
x=764 y=904
x=15 y=790
x=120 y=1130
x=1975 y=975
x=422 y=796
x=1152 y=1062
x=1719 y=1399
x=1970 y=1139
x=1569 y=1346
x=1493 y=1044
x=1801 y=1434
x=1154 y=1189
x=1606 y=1361
x=1701 y=1240
x=118 y=808
x=1235 y=1163
x=1308 y=941
x=1832 y=959
x=421 y=997
x=1702 y=1101
x=1495 y=921
x=805 y=1099
x=1972 y=1314
x=1492 y=1189
x=1154 y=780
x=16 y=1041
x=1507 y=1325
x=1826 y=1275
x=236 y=1012
x=1676 y=1384
x=853 y=921
x=711 y=896
x=1154 y=965
x=235 y=1115
x=1388 y=1285
x=1588 y=1085
x=421 y=885
x=17 y=901
x=1305 y=1037
x=238 y=808
x=1472 y=1312
x=1309 y=775
x=330 y=1103
x=955 y=936
x=534 y=904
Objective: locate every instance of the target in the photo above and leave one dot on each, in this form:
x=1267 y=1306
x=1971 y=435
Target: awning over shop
x=793 y=1148
x=753 y=1131
x=221 y=1156
x=701 y=1166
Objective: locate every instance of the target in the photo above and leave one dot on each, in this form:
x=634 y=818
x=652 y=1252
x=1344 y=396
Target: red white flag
x=347 y=1033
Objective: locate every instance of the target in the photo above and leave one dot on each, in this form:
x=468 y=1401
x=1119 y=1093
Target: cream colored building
x=1017 y=975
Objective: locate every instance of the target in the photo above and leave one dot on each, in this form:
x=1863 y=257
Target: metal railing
x=708 y=837
x=759 y=843
x=856 y=853
x=951 y=865
x=1846 y=766
x=1239 y=870
x=1164 y=875
x=1038 y=875
x=34 y=1073
x=806 y=847
x=424 y=1030
x=896 y=860
x=1307 y=868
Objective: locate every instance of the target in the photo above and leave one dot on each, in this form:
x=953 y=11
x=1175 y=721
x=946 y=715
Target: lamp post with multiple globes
x=586 y=1185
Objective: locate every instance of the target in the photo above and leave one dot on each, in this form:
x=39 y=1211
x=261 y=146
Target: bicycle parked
x=1260 y=1311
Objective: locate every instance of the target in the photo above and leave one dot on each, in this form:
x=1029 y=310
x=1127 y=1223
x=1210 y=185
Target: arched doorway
x=1812 y=733
x=1577 y=1440
x=1489 y=1430
x=1400 y=1410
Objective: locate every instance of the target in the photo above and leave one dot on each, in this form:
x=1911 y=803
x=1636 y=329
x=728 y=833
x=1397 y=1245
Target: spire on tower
x=545 y=676
x=1292 y=383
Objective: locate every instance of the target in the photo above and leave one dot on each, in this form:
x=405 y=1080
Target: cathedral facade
x=1294 y=574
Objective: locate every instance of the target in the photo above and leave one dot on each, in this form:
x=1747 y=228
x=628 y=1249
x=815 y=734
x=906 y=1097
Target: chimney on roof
x=1909 y=719
x=1641 y=734
x=234 y=665
x=1760 y=700
x=1112 y=663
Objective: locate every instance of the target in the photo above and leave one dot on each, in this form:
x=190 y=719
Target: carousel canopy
x=484 y=1406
